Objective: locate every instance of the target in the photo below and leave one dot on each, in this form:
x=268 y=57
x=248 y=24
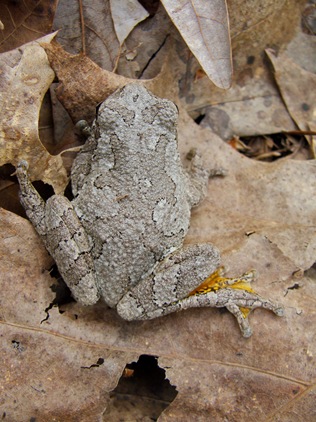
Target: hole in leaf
x=143 y=391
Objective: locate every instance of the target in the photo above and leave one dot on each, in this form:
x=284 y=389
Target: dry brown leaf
x=259 y=215
x=25 y=78
x=126 y=15
x=298 y=89
x=47 y=354
x=145 y=49
x=204 y=26
x=256 y=25
x=24 y=22
x=83 y=84
x=252 y=105
x=88 y=28
x=9 y=198
x=265 y=198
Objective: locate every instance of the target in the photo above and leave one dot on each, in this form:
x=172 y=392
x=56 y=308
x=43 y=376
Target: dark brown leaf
x=25 y=21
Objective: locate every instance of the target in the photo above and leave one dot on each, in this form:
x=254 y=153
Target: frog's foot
x=171 y=287
x=235 y=294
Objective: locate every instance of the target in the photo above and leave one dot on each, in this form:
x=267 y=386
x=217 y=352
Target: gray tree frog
x=121 y=237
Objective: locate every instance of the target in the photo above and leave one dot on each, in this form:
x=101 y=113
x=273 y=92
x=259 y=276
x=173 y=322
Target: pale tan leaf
x=126 y=14
x=203 y=25
x=298 y=90
x=25 y=78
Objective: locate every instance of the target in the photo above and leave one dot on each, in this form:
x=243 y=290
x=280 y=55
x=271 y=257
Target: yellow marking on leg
x=217 y=281
x=245 y=312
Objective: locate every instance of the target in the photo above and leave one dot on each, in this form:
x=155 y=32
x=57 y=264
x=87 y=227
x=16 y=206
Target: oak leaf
x=26 y=76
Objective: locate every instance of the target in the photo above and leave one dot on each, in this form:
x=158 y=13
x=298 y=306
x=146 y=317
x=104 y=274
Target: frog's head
x=136 y=104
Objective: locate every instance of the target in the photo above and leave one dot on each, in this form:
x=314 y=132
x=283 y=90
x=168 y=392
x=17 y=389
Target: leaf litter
x=260 y=215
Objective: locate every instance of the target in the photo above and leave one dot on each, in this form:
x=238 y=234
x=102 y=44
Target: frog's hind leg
x=64 y=237
x=172 y=280
x=173 y=287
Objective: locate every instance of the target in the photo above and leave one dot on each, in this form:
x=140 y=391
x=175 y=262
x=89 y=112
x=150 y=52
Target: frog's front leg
x=198 y=176
x=173 y=287
x=64 y=237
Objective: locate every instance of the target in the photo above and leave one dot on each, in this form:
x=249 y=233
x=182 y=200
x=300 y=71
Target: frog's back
x=133 y=201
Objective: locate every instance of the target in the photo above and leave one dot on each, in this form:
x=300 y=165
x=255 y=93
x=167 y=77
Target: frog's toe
x=242 y=318
x=279 y=311
x=246 y=332
x=22 y=168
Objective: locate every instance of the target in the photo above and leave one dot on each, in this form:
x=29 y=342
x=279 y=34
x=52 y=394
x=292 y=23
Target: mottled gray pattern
x=121 y=237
